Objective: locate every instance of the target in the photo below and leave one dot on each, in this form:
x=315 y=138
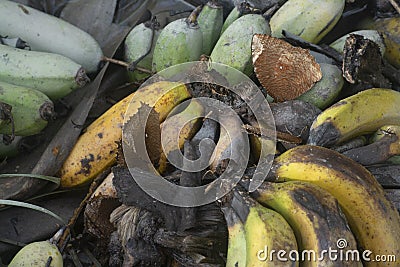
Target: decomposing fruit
x=314 y=215
x=372 y=218
x=96 y=149
x=356 y=115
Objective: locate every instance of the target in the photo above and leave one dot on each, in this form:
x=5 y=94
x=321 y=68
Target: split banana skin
x=314 y=196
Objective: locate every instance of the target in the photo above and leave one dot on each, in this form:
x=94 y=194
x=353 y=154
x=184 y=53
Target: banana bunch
x=256 y=231
x=372 y=218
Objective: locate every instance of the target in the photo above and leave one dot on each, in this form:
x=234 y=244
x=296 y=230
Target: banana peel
x=96 y=149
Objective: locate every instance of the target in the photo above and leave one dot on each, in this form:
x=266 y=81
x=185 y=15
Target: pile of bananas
x=319 y=195
x=42 y=59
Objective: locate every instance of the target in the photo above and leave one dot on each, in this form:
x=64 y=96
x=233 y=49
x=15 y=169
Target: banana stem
x=395 y=5
x=125 y=64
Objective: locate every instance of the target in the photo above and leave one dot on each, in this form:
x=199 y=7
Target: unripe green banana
x=30 y=111
x=372 y=35
x=309 y=19
x=238 y=11
x=37 y=254
x=390 y=29
x=210 y=21
x=139 y=47
x=47 y=33
x=324 y=92
x=54 y=75
x=234 y=46
x=179 y=42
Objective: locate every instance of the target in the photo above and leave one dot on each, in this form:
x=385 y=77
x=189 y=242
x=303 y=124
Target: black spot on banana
x=356 y=115
x=236 y=255
x=139 y=48
x=210 y=21
x=54 y=75
x=314 y=215
x=30 y=110
x=234 y=46
x=39 y=254
x=179 y=42
x=311 y=20
x=47 y=33
x=373 y=219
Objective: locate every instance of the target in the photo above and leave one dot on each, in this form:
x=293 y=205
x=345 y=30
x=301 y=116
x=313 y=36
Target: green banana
x=356 y=115
x=54 y=75
x=47 y=33
x=236 y=239
x=266 y=231
x=179 y=42
x=373 y=219
x=234 y=46
x=315 y=217
x=309 y=19
x=38 y=254
x=177 y=129
x=139 y=47
x=239 y=10
x=372 y=35
x=30 y=111
x=324 y=92
x=210 y=21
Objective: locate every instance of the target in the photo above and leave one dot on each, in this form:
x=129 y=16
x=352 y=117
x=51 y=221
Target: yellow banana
x=386 y=144
x=96 y=149
x=266 y=231
x=356 y=115
x=390 y=29
x=372 y=217
x=315 y=217
x=236 y=239
x=38 y=254
x=173 y=136
x=232 y=136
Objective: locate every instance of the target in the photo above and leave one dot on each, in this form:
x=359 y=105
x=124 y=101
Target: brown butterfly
x=285 y=71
